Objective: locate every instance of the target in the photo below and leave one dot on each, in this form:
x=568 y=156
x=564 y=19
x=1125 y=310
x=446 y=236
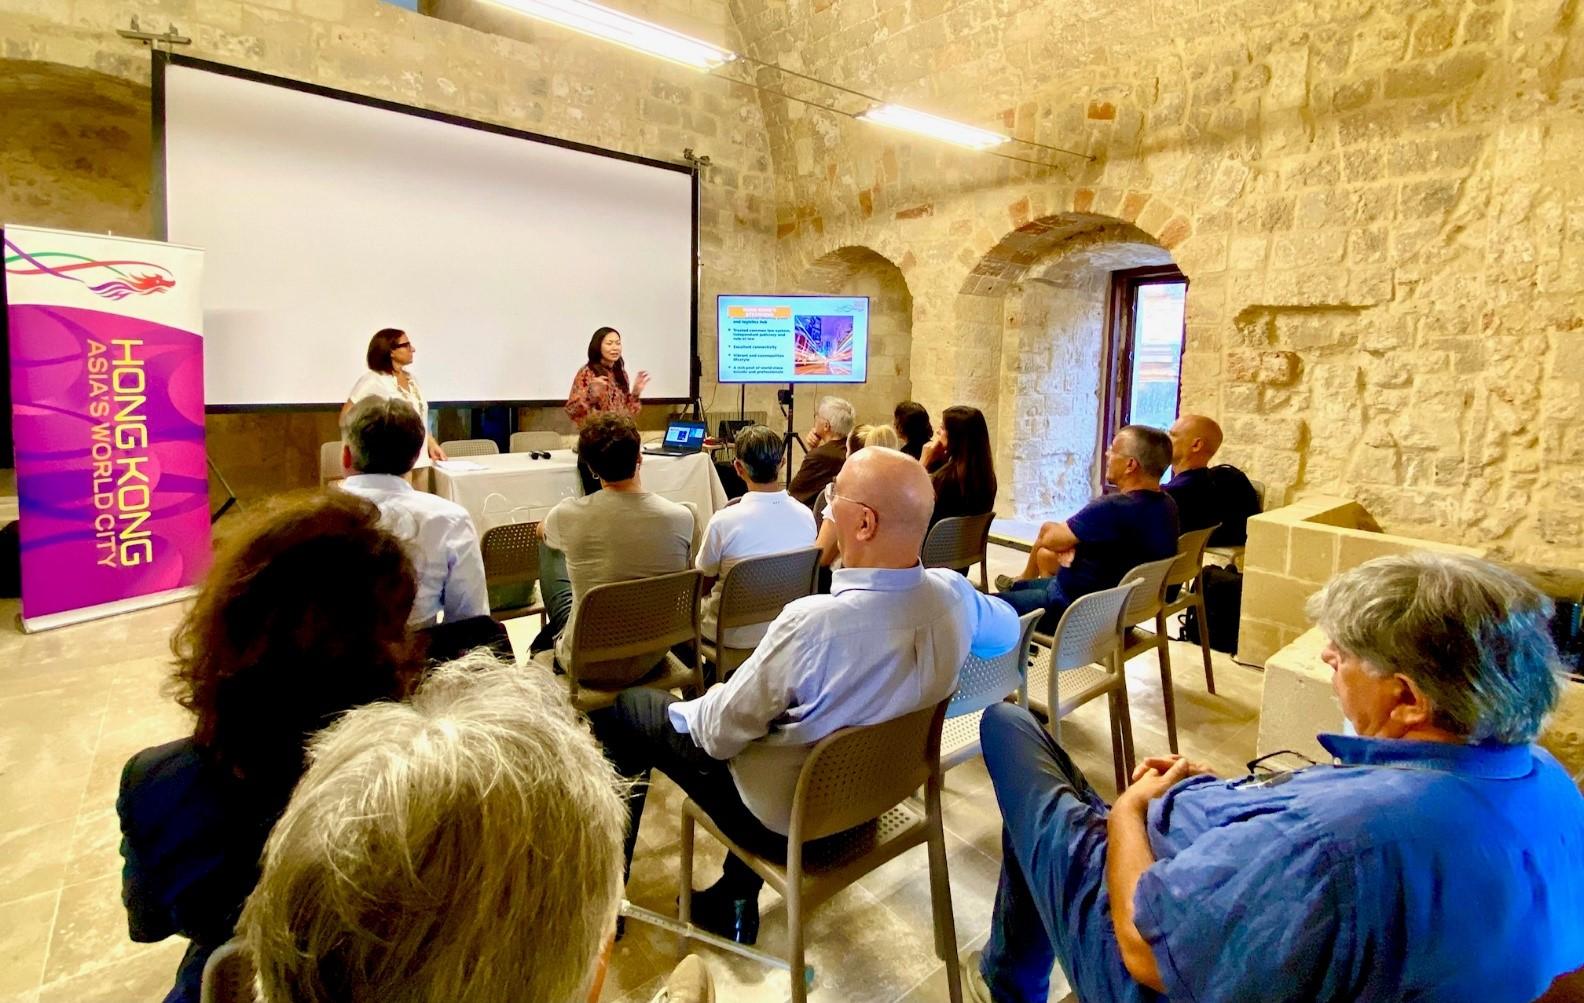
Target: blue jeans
x=1051 y=903
x=1038 y=593
x=555 y=591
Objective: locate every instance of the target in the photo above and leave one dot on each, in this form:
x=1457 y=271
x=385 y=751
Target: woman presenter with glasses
x=601 y=387
x=390 y=354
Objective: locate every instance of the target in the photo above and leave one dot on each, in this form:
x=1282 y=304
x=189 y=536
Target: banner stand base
x=231 y=498
x=33 y=625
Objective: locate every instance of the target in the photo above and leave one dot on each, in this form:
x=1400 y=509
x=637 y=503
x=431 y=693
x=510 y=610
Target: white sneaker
x=975 y=989
x=689 y=982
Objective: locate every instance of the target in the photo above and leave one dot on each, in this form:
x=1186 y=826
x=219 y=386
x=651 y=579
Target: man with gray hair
x=765 y=520
x=827 y=449
x=380 y=441
x=1439 y=856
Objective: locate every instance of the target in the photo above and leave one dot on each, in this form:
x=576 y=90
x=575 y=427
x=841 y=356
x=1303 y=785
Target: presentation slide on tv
x=793 y=339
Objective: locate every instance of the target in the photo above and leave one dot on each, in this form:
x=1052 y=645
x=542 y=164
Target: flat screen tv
x=792 y=339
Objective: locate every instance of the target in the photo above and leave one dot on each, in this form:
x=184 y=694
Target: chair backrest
x=469 y=447
x=1091 y=628
x=511 y=554
x=1190 y=556
x=621 y=630
x=957 y=542
x=985 y=681
x=1147 y=599
x=330 y=468
x=1259 y=489
x=228 y=975
x=756 y=589
x=524 y=442
x=858 y=774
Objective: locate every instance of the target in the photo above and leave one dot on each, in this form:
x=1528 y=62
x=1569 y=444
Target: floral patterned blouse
x=587 y=398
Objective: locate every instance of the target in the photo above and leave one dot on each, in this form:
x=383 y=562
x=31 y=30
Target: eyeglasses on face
x=829 y=495
x=404 y=344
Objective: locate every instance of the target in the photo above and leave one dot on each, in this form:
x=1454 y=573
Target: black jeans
x=638 y=737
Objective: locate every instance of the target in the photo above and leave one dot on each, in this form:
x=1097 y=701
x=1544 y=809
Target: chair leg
x=1163 y=653
x=940 y=895
x=1118 y=754
x=1204 y=639
x=1125 y=719
x=685 y=892
x=794 y=913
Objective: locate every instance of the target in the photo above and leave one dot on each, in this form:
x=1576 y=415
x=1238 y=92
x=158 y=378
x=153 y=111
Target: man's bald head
x=898 y=497
x=1195 y=439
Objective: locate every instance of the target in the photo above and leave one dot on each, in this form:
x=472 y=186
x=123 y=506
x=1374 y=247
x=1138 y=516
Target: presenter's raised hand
x=640 y=382
x=599 y=383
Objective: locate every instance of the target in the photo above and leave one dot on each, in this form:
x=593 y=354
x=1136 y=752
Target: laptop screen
x=685 y=434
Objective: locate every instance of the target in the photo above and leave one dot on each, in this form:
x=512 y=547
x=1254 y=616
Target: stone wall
x=75 y=148
x=1378 y=207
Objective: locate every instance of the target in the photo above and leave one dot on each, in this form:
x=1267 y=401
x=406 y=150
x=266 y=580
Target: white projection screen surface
x=324 y=219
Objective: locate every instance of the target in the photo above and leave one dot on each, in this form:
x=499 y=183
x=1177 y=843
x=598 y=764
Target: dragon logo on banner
x=113 y=280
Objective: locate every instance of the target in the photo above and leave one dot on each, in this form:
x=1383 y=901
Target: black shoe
x=737 y=919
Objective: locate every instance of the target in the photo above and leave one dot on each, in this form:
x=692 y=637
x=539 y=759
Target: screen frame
x=719 y=360
x=158 y=204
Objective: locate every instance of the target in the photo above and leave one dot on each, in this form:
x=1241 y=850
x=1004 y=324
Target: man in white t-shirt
x=766 y=520
x=617 y=534
x=381 y=439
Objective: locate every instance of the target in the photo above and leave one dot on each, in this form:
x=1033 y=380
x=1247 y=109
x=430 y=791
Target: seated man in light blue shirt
x=887 y=641
x=1440 y=856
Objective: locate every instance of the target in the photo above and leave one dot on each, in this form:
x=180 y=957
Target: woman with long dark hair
x=303 y=617
x=912 y=424
x=961 y=465
x=601 y=386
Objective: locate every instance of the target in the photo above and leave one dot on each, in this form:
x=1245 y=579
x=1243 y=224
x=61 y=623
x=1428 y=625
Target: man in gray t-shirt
x=616 y=534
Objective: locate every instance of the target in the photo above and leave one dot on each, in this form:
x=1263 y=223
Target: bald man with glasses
x=888 y=640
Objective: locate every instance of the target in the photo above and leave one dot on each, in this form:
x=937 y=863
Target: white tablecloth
x=513 y=487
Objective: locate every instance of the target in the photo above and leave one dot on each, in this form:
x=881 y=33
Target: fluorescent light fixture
x=933 y=126
x=623 y=29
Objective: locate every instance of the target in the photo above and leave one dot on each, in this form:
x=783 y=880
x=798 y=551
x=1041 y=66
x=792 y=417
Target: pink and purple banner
x=107 y=406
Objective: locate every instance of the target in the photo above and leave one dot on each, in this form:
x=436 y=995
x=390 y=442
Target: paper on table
x=458 y=466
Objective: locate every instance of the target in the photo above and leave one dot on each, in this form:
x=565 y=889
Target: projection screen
x=326 y=216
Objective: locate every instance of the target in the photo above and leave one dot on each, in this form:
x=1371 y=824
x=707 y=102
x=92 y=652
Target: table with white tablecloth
x=514 y=487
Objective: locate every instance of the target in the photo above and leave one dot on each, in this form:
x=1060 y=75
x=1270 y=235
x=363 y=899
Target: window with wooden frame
x=1143 y=349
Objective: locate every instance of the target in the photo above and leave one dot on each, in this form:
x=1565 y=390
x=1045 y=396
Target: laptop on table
x=682 y=438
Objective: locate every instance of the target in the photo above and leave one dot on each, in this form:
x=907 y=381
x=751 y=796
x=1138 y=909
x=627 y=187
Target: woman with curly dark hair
x=303 y=617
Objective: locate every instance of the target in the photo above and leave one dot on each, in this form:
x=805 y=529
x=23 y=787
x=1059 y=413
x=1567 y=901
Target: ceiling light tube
x=933 y=126
x=623 y=29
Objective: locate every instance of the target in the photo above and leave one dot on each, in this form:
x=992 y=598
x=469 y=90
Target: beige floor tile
x=95 y=846
x=90 y=930
x=33 y=860
x=146 y=975
x=24 y=941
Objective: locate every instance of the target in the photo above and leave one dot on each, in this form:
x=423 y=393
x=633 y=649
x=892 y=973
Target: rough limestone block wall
x=74 y=102
x=1378 y=207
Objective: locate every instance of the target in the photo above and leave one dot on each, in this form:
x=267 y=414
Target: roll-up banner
x=105 y=336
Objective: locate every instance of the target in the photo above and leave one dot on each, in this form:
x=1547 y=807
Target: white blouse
x=372 y=384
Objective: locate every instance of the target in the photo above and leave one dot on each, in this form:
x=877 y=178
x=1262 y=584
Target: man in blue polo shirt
x=1106 y=538
x=1440 y=857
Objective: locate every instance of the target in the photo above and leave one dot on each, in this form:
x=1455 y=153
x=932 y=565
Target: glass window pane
x=1157 y=353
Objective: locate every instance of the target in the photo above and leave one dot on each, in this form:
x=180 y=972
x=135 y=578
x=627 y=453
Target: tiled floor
x=76 y=702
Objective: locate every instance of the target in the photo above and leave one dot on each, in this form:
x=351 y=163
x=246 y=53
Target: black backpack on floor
x=1223 y=596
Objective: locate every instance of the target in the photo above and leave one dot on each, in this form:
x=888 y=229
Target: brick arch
x=1008 y=262
x=829 y=271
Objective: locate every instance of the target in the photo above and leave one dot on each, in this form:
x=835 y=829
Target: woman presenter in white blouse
x=390 y=353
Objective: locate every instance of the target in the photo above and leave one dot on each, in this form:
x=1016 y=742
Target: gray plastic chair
x=1185 y=575
x=754 y=591
x=1148 y=604
x=530 y=442
x=959 y=543
x=330 y=468
x=622 y=636
x=511 y=567
x=455 y=448
x=1078 y=663
x=982 y=683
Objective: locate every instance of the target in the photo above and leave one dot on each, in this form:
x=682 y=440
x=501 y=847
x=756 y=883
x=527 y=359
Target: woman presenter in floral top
x=601 y=386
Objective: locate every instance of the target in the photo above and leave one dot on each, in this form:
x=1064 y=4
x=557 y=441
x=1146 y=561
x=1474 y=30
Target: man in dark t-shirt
x=1106 y=538
x=1205 y=495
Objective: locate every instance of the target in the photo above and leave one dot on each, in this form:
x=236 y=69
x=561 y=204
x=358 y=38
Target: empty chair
x=855 y=785
x=511 y=568
x=330 y=468
x=622 y=634
x=469 y=447
x=228 y=975
x=982 y=682
x=1185 y=575
x=1147 y=604
x=1079 y=662
x=959 y=543
x=754 y=591
x=531 y=442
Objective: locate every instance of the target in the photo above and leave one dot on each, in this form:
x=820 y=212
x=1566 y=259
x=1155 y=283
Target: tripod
x=784 y=397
